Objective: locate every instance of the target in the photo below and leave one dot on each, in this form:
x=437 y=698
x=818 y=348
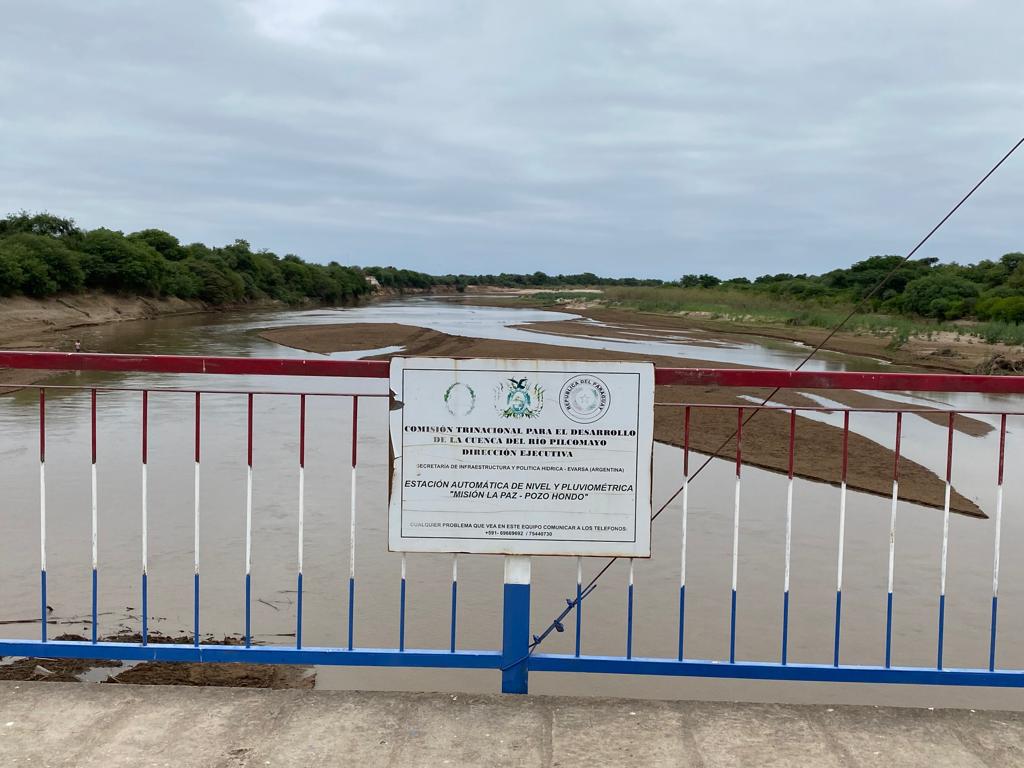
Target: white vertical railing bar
x=945 y=541
x=892 y=539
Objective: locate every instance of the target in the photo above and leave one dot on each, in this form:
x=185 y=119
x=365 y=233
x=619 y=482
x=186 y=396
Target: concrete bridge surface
x=79 y=724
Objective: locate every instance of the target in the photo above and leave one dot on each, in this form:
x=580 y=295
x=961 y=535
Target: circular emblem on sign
x=459 y=399
x=584 y=399
x=517 y=399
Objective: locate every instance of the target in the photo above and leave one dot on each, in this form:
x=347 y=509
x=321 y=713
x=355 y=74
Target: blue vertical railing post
x=145 y=518
x=515 y=632
x=42 y=514
x=195 y=534
x=248 y=526
x=95 y=519
x=302 y=513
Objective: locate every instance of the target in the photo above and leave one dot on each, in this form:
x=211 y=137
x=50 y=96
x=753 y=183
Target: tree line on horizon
x=45 y=255
x=987 y=290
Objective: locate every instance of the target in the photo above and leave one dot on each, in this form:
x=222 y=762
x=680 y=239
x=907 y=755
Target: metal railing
x=517 y=654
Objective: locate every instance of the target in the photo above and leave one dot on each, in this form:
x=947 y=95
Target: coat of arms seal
x=516 y=399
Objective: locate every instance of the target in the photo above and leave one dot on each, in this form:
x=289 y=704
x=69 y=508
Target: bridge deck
x=57 y=724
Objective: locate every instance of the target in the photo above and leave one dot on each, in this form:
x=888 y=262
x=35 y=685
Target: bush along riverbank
x=43 y=255
x=985 y=299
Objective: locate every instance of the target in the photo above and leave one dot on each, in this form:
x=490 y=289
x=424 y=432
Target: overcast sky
x=621 y=137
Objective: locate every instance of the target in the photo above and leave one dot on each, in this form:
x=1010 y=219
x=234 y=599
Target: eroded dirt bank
x=818 y=454
x=54 y=324
x=51 y=323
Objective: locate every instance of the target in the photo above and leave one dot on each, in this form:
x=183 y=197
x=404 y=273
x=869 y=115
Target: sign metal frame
x=500 y=426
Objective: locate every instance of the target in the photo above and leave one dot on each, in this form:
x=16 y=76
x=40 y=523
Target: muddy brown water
x=815 y=527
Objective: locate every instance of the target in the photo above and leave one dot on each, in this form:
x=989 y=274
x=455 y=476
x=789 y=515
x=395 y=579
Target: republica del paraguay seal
x=584 y=399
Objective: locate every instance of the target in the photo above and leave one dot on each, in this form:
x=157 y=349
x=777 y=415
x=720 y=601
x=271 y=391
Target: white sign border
x=639 y=548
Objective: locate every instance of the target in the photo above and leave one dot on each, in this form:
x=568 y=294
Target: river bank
x=943 y=350
x=818 y=454
x=54 y=324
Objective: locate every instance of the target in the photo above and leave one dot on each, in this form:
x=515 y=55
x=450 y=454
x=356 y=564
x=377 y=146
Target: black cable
x=572 y=603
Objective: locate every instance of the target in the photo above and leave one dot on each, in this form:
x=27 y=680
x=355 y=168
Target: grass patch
x=749 y=306
x=553 y=298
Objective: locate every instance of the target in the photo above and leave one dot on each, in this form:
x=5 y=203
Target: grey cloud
x=651 y=138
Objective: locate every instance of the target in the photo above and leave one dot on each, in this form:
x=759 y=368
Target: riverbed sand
x=818 y=452
x=942 y=351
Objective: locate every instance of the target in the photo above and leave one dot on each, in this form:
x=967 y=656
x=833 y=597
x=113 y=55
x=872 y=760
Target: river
x=816 y=515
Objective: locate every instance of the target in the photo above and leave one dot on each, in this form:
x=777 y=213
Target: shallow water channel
x=327 y=493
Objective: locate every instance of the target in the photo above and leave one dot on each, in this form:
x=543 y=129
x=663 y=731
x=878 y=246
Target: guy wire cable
x=572 y=603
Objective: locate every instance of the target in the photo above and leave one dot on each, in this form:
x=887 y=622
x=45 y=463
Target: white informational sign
x=521 y=457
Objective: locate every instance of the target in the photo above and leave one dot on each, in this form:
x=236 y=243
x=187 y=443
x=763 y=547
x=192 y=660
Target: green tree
x=708 y=281
x=164 y=243
x=38 y=224
x=217 y=284
x=11 y=275
x=34 y=278
x=114 y=263
x=63 y=265
x=943 y=295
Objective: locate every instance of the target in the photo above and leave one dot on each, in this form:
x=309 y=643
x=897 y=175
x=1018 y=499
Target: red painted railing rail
x=238 y=366
x=914 y=382
x=378 y=369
